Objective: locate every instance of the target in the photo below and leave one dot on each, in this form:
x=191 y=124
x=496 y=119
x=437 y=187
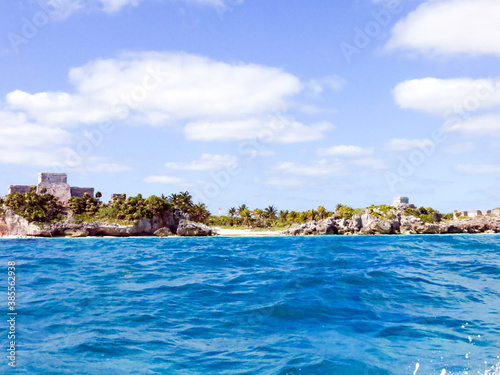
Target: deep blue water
x=373 y=305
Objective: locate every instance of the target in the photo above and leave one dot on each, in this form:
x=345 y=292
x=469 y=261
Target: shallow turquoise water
x=308 y=305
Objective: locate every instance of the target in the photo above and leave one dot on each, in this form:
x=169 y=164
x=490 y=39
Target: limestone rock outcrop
x=369 y=224
x=163 y=232
x=169 y=223
x=190 y=229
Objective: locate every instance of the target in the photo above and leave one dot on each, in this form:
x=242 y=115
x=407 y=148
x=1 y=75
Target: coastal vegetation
x=93 y=215
x=45 y=208
x=272 y=218
x=34 y=207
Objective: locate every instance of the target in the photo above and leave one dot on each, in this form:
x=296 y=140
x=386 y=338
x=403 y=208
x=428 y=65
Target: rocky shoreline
x=175 y=223
x=168 y=224
x=399 y=223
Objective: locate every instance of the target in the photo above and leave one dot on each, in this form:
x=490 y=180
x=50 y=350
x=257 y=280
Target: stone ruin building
x=56 y=184
x=475 y=213
x=402 y=202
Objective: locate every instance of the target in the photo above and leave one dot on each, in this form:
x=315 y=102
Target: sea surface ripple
x=368 y=305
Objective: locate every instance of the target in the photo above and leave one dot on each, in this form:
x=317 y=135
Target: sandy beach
x=246 y=233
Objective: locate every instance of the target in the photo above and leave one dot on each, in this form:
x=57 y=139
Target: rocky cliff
x=396 y=224
x=172 y=221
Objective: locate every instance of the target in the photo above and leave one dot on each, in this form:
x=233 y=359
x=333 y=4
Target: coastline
x=247 y=233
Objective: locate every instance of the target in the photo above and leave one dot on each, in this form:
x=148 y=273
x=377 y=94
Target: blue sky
x=290 y=103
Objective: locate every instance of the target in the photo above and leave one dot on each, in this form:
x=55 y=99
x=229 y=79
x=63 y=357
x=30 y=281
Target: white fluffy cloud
x=318 y=85
x=220 y=101
x=169 y=180
x=217 y=101
x=401 y=144
x=443 y=96
x=488 y=125
x=479 y=169
x=285 y=182
x=23 y=142
x=344 y=150
x=207 y=162
x=372 y=163
x=264 y=129
x=16 y=131
x=440 y=27
x=321 y=168
x=62 y=9
x=111 y=6
x=158 y=88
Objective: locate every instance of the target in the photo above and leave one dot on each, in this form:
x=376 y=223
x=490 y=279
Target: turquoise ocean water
x=305 y=305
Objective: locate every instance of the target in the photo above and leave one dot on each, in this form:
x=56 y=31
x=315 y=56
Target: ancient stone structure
x=23 y=189
x=402 y=202
x=476 y=213
x=55 y=184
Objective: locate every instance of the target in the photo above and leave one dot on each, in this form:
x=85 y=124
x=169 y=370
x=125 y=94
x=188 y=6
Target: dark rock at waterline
x=190 y=229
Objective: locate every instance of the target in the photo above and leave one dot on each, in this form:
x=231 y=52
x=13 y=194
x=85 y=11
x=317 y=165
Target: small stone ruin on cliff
x=402 y=203
x=55 y=184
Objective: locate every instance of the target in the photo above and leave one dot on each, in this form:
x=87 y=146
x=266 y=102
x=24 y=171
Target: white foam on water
x=416 y=368
x=493 y=370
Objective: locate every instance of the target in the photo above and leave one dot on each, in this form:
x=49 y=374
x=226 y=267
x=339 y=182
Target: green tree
x=283 y=214
x=292 y=216
x=35 y=207
x=85 y=204
x=321 y=212
x=183 y=201
x=312 y=215
x=232 y=212
x=199 y=212
x=257 y=213
x=246 y=215
x=270 y=212
x=242 y=208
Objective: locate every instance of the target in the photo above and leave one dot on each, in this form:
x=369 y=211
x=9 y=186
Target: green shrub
x=85 y=204
x=35 y=207
x=344 y=212
x=426 y=218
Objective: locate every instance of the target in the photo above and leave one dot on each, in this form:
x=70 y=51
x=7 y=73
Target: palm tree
x=270 y=212
x=321 y=212
x=199 y=212
x=292 y=216
x=242 y=208
x=283 y=214
x=183 y=200
x=98 y=195
x=232 y=212
x=246 y=215
x=311 y=214
x=328 y=214
x=302 y=216
x=257 y=213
